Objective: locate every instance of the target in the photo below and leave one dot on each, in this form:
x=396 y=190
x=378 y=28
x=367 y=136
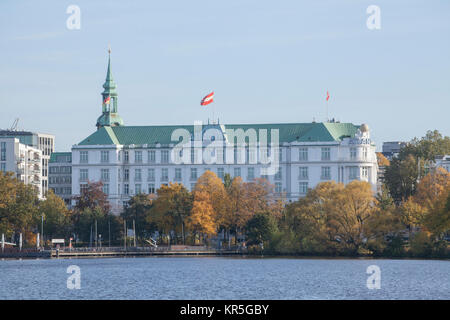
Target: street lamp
x=42 y=230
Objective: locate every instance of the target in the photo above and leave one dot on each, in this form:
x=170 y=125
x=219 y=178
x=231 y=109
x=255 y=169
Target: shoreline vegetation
x=408 y=218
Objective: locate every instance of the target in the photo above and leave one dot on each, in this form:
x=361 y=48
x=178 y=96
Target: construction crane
x=14 y=126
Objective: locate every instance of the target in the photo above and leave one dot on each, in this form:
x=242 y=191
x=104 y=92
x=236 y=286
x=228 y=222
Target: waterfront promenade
x=175 y=250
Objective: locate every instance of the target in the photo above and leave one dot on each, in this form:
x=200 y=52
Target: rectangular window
x=250 y=174
x=365 y=173
x=252 y=155
x=237 y=172
x=151 y=188
x=365 y=153
x=192 y=186
x=3 y=167
x=138 y=156
x=84 y=175
x=192 y=155
x=303 y=173
x=137 y=174
x=220 y=173
x=325 y=173
x=193 y=174
x=353 y=173
x=164 y=174
x=126 y=156
x=326 y=154
x=126 y=188
x=3 y=151
x=278 y=175
x=104 y=156
x=280 y=154
x=105 y=188
x=352 y=153
x=303 y=154
x=151 y=156
x=137 y=188
x=303 y=187
x=83 y=188
x=178 y=174
x=278 y=187
x=126 y=174
x=165 y=156
x=151 y=175
x=104 y=175
x=84 y=157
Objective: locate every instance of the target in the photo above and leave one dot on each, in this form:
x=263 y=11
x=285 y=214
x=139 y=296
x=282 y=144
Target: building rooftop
x=57 y=156
x=288 y=132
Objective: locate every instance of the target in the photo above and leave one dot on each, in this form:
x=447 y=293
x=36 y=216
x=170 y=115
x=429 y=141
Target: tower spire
x=109 y=116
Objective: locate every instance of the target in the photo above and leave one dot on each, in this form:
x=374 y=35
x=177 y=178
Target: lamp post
x=42 y=230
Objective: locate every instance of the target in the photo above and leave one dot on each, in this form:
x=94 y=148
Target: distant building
x=60 y=175
x=392 y=149
x=24 y=161
x=129 y=160
x=41 y=141
x=383 y=162
x=443 y=162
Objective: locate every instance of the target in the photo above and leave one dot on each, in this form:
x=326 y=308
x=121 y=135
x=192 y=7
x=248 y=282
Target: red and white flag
x=328 y=96
x=208 y=99
x=107 y=100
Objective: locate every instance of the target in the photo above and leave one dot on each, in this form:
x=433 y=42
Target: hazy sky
x=268 y=61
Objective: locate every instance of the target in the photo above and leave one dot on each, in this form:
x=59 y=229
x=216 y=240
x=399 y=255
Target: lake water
x=224 y=278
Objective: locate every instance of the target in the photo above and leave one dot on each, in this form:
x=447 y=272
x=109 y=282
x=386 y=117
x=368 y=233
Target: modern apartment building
x=42 y=141
x=24 y=161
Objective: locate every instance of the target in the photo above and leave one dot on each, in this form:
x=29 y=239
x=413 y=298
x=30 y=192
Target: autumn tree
x=171 y=209
x=18 y=205
x=202 y=218
x=93 y=209
x=349 y=209
x=212 y=185
x=432 y=194
x=92 y=197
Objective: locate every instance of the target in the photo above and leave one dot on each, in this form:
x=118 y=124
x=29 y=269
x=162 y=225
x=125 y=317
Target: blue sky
x=268 y=61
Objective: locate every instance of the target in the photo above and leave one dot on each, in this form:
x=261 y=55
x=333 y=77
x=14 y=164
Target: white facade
x=42 y=141
x=22 y=160
x=127 y=170
x=443 y=162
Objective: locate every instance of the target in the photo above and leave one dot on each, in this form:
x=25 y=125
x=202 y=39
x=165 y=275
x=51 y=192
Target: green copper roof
x=55 y=155
x=109 y=116
x=109 y=85
x=288 y=132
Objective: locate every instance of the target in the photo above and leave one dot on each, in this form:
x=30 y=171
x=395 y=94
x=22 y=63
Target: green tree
x=56 y=216
x=412 y=164
x=261 y=228
x=139 y=209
